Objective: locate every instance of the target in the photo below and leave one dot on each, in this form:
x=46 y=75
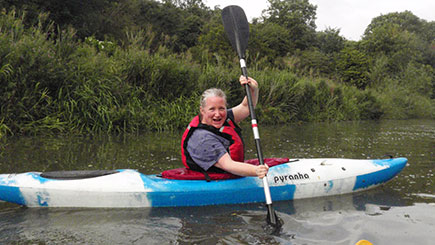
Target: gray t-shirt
x=206 y=148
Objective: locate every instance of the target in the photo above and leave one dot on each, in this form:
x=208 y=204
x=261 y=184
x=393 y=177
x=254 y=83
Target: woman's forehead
x=215 y=101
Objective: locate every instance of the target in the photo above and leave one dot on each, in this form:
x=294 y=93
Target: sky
x=350 y=16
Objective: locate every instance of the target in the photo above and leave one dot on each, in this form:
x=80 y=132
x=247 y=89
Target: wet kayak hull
x=126 y=188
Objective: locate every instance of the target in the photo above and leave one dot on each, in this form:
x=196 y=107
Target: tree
x=329 y=41
x=394 y=25
x=181 y=21
x=214 y=39
x=404 y=21
x=99 y=18
x=297 y=16
x=353 y=67
x=402 y=37
x=313 y=59
x=269 y=40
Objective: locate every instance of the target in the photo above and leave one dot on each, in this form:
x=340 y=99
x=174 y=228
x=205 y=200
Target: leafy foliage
x=106 y=66
x=297 y=17
x=353 y=67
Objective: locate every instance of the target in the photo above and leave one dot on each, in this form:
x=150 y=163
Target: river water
x=400 y=212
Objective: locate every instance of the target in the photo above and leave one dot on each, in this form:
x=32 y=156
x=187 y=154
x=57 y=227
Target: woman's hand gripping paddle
x=237 y=28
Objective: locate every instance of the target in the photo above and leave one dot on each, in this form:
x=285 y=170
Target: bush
x=51 y=82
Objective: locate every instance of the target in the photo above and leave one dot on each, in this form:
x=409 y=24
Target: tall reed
x=53 y=83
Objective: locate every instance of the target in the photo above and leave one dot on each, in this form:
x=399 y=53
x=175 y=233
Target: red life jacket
x=230 y=131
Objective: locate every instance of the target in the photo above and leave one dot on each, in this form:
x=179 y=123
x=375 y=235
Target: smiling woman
x=213 y=141
x=213 y=109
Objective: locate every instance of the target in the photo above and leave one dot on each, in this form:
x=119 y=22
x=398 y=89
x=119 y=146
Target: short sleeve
x=230 y=114
x=206 y=148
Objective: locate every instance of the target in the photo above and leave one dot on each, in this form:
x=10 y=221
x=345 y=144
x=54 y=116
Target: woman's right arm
x=240 y=168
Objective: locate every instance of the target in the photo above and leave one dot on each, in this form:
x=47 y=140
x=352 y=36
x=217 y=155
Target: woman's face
x=214 y=112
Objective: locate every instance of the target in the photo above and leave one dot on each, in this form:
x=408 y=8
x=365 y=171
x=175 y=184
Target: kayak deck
x=305 y=178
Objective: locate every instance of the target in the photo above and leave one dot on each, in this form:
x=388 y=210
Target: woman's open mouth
x=217 y=121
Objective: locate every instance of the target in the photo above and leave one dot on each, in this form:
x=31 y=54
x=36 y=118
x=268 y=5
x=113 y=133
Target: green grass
x=53 y=84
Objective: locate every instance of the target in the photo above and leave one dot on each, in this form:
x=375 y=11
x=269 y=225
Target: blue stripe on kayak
x=200 y=193
x=394 y=166
x=11 y=194
x=36 y=176
x=235 y=196
x=282 y=193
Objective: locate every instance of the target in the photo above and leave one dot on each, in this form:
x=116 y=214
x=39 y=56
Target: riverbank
x=56 y=84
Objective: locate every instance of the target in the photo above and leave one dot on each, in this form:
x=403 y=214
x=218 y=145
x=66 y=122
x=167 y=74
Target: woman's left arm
x=241 y=111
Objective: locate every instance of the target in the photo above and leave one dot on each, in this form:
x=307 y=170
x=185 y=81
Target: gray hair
x=212 y=92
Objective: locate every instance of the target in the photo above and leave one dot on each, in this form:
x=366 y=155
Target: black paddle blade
x=273 y=221
x=237 y=28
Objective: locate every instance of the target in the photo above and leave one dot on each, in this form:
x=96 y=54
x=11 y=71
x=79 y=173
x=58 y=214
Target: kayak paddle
x=237 y=28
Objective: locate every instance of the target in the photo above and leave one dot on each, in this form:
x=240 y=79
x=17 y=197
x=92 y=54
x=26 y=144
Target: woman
x=213 y=141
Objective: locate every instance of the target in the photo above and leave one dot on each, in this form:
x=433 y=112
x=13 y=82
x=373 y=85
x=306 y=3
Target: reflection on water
x=401 y=212
x=332 y=220
x=149 y=153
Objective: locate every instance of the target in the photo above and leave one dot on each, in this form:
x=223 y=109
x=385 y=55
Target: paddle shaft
x=254 y=124
x=237 y=28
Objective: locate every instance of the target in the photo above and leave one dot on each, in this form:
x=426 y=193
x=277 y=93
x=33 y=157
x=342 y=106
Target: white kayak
x=125 y=188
